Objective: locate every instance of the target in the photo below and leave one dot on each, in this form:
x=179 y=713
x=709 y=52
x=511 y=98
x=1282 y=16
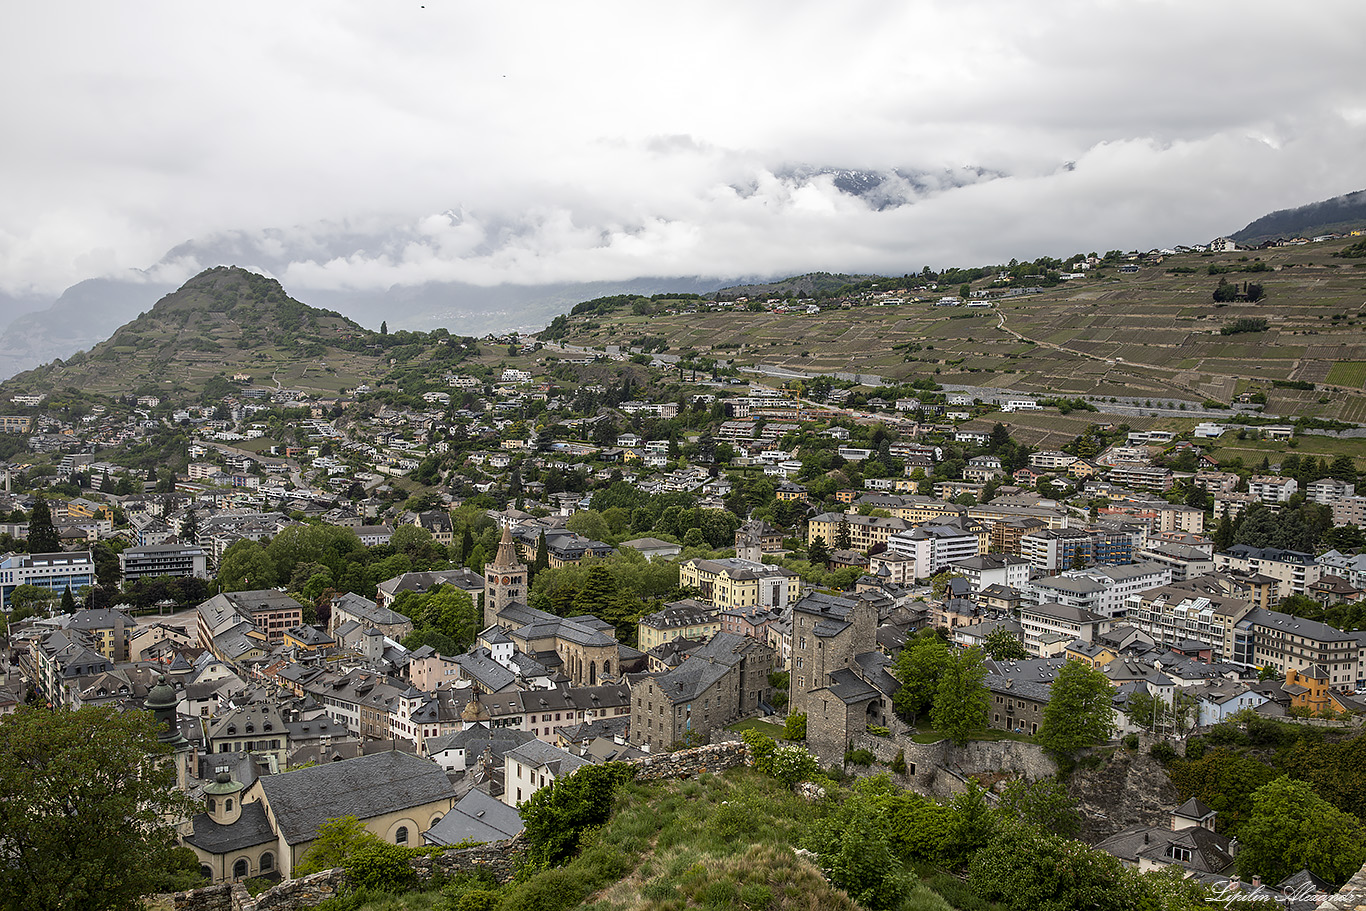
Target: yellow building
x=733 y=582
x=688 y=619
x=864 y=531
x=1309 y=689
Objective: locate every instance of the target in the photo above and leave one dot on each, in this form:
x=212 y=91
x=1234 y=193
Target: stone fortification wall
x=939 y=769
x=714 y=758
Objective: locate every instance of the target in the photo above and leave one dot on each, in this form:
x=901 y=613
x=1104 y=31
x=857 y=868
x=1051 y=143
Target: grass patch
x=776 y=731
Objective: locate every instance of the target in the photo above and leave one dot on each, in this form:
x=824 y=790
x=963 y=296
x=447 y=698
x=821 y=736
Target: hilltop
x=1338 y=214
x=223 y=322
x=1137 y=328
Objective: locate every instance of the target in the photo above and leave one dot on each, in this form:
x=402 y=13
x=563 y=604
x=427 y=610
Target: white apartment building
x=1272 y=491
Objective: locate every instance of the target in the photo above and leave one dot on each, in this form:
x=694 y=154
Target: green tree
x=1224 y=781
x=556 y=815
x=1079 y=712
x=542 y=560
x=969 y=826
x=1028 y=870
x=1292 y=828
x=961 y=702
x=68 y=601
x=336 y=841
x=919 y=665
x=42 y=534
x=246 y=567
x=1003 y=645
x=794 y=726
x=939 y=583
x=85 y=803
x=842 y=537
x=1044 y=803
x=33 y=598
x=817 y=552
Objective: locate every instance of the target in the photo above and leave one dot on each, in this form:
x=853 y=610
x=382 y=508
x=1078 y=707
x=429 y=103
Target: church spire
x=506 y=558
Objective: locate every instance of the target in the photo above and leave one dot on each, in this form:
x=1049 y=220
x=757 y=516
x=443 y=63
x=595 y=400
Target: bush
x=879 y=731
x=1163 y=752
x=380 y=866
x=859 y=757
x=794 y=728
x=1130 y=741
x=1195 y=748
x=556 y=816
x=899 y=763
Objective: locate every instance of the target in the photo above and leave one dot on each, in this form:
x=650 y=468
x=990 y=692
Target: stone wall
x=939 y=769
x=713 y=757
x=210 y=898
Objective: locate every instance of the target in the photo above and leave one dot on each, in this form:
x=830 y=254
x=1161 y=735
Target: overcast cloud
x=354 y=145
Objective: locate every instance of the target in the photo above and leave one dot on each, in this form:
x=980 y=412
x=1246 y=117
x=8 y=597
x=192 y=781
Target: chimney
x=1256 y=882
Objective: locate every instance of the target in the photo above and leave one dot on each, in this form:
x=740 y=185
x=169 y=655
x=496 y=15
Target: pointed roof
x=1193 y=809
x=506 y=558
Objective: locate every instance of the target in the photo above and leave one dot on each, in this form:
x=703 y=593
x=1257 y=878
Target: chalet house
x=1188 y=842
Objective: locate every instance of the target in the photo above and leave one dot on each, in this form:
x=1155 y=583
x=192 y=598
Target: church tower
x=161 y=701
x=504 y=579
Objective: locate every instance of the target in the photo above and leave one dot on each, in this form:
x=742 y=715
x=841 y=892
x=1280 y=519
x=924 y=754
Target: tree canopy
x=1291 y=828
x=84 y=801
x=1079 y=713
x=961 y=701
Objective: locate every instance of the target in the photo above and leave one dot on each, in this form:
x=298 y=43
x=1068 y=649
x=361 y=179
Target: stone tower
x=504 y=579
x=749 y=541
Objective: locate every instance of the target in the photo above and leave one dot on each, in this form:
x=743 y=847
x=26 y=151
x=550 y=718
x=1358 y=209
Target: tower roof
x=506 y=558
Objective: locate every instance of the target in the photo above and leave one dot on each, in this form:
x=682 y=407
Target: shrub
x=792 y=764
x=899 y=763
x=879 y=731
x=380 y=866
x=1163 y=752
x=1130 y=741
x=859 y=757
x=557 y=815
x=1195 y=748
x=794 y=728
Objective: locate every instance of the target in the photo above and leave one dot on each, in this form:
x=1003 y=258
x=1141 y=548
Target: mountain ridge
x=1327 y=216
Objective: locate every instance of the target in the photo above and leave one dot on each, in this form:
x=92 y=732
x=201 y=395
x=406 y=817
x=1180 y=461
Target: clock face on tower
x=506 y=580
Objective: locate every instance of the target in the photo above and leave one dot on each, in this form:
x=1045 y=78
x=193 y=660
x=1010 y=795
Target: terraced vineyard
x=1154 y=333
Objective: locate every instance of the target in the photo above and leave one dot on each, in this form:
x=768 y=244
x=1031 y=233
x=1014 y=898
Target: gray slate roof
x=252 y=828
x=477 y=817
x=369 y=786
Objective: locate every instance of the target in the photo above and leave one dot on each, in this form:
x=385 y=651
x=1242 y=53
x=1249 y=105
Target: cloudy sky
x=366 y=144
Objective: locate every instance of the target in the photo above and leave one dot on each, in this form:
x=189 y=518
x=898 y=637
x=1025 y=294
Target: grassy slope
x=716 y=842
x=1153 y=333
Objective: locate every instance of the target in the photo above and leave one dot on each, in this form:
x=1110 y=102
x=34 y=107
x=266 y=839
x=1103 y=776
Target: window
x=267 y=862
x=401 y=836
x=227 y=805
x=239 y=869
x=212 y=805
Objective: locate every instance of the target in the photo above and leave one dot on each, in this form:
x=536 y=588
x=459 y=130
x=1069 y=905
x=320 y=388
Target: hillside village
x=421 y=609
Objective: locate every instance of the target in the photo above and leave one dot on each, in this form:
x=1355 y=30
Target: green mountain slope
x=1336 y=215
x=223 y=322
